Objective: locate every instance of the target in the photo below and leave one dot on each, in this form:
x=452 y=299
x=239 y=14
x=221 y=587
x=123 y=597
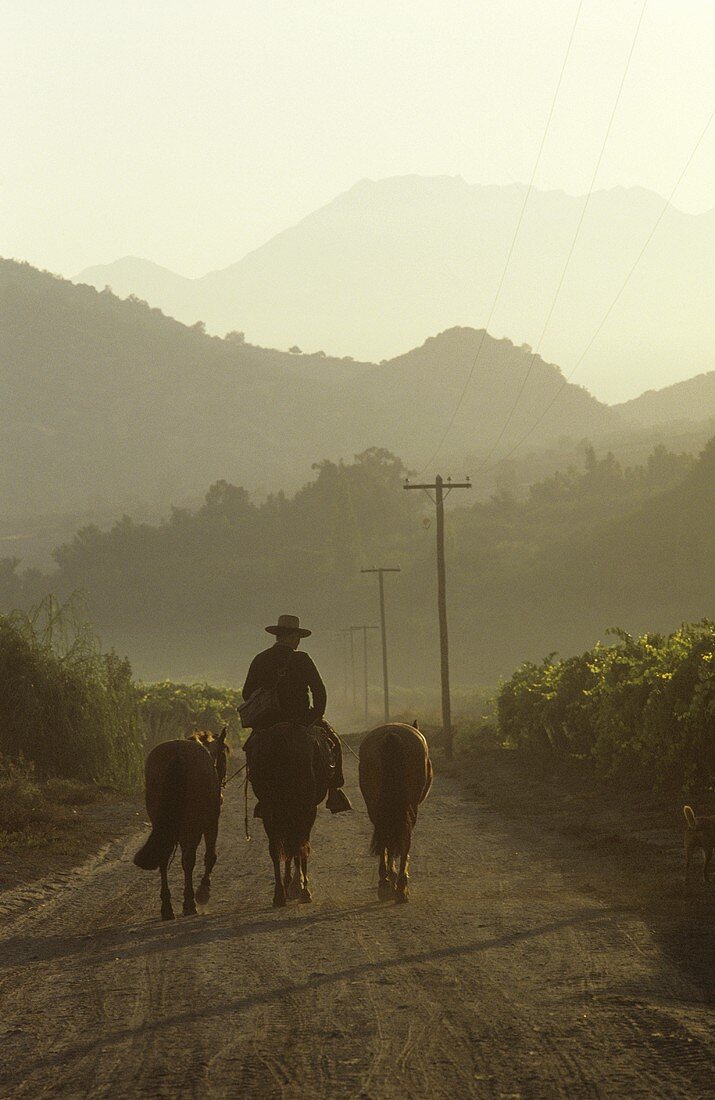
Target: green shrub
x=169 y=710
x=65 y=706
x=21 y=802
x=643 y=709
x=475 y=736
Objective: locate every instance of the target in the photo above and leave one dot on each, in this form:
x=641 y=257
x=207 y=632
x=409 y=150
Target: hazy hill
x=387 y=263
x=649 y=569
x=155 y=284
x=417 y=393
x=108 y=401
x=692 y=400
x=104 y=401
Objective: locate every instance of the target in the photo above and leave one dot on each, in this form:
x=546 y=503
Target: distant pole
x=364 y=629
x=380 y=570
x=442 y=489
x=349 y=630
x=364 y=665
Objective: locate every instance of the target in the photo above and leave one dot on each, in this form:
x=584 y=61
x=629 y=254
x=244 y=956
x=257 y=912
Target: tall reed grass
x=64 y=705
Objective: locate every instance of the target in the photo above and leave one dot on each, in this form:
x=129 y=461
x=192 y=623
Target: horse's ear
x=415 y=725
x=222 y=735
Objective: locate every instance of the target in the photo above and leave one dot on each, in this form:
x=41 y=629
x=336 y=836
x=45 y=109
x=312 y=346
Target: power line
x=613 y=303
x=577 y=233
x=511 y=246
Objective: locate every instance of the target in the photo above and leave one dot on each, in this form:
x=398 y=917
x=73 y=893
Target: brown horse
x=183 y=800
x=289 y=778
x=395 y=776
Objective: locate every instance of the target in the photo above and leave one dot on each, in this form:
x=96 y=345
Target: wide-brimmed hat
x=288 y=623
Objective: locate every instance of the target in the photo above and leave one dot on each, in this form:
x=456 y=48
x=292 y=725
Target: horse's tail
x=164 y=835
x=291 y=841
x=690 y=818
x=290 y=825
x=283 y=776
x=394 y=816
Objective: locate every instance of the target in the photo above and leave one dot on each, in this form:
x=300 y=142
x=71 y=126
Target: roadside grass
x=34 y=813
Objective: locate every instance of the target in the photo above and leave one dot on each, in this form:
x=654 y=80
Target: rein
x=237 y=772
x=349 y=748
x=245 y=795
x=245 y=815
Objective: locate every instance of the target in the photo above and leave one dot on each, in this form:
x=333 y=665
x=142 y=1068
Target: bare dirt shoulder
x=622 y=844
x=39 y=858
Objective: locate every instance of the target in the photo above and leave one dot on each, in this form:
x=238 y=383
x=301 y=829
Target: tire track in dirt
x=498 y=979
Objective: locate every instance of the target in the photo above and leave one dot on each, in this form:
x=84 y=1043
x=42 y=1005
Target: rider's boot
x=337 y=801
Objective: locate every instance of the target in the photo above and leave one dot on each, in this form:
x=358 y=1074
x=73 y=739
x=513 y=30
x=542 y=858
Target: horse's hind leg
x=305 y=894
x=385 y=886
x=403 y=878
x=279 y=894
x=204 y=891
x=188 y=862
x=167 y=912
x=294 y=885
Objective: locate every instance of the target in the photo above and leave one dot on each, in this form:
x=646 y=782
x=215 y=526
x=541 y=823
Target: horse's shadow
x=132 y=941
x=363 y=970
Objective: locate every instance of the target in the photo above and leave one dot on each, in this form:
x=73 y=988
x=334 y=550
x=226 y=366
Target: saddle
x=326 y=751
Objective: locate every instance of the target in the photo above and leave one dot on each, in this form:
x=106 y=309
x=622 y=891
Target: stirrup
x=258 y=810
x=337 y=801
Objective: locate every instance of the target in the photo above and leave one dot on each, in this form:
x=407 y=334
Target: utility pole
x=345 y=667
x=380 y=570
x=441 y=490
x=365 y=629
x=349 y=630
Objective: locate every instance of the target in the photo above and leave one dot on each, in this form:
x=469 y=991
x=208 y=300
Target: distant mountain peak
x=373 y=270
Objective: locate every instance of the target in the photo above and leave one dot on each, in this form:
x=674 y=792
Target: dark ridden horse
x=288 y=775
x=183 y=800
x=395 y=776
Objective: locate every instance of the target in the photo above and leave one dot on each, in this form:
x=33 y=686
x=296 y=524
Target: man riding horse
x=299 y=696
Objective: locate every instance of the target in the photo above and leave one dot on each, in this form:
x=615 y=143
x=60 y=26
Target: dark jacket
x=295 y=689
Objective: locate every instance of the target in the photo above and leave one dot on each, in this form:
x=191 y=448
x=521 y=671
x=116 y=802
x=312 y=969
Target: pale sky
x=189 y=132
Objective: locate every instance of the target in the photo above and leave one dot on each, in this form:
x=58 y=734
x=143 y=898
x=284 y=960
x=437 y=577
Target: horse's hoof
x=305 y=895
x=279 y=900
x=202 y=895
x=402 y=895
x=294 y=890
x=167 y=914
x=189 y=910
x=385 y=891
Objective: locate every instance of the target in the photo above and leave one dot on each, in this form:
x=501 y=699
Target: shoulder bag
x=263 y=708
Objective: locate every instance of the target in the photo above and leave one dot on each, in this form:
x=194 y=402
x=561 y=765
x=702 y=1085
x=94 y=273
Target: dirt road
x=499 y=979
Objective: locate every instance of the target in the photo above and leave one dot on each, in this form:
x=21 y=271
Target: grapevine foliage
x=643 y=707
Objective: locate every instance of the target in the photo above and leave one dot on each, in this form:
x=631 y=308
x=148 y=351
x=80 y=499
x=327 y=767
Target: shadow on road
x=189 y=1018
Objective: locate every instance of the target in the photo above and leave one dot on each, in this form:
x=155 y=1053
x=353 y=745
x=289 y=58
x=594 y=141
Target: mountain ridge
x=110 y=401
x=389 y=262
x=691 y=400
x=100 y=396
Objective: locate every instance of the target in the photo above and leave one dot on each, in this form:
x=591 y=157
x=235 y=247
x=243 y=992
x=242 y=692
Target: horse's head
x=218 y=749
